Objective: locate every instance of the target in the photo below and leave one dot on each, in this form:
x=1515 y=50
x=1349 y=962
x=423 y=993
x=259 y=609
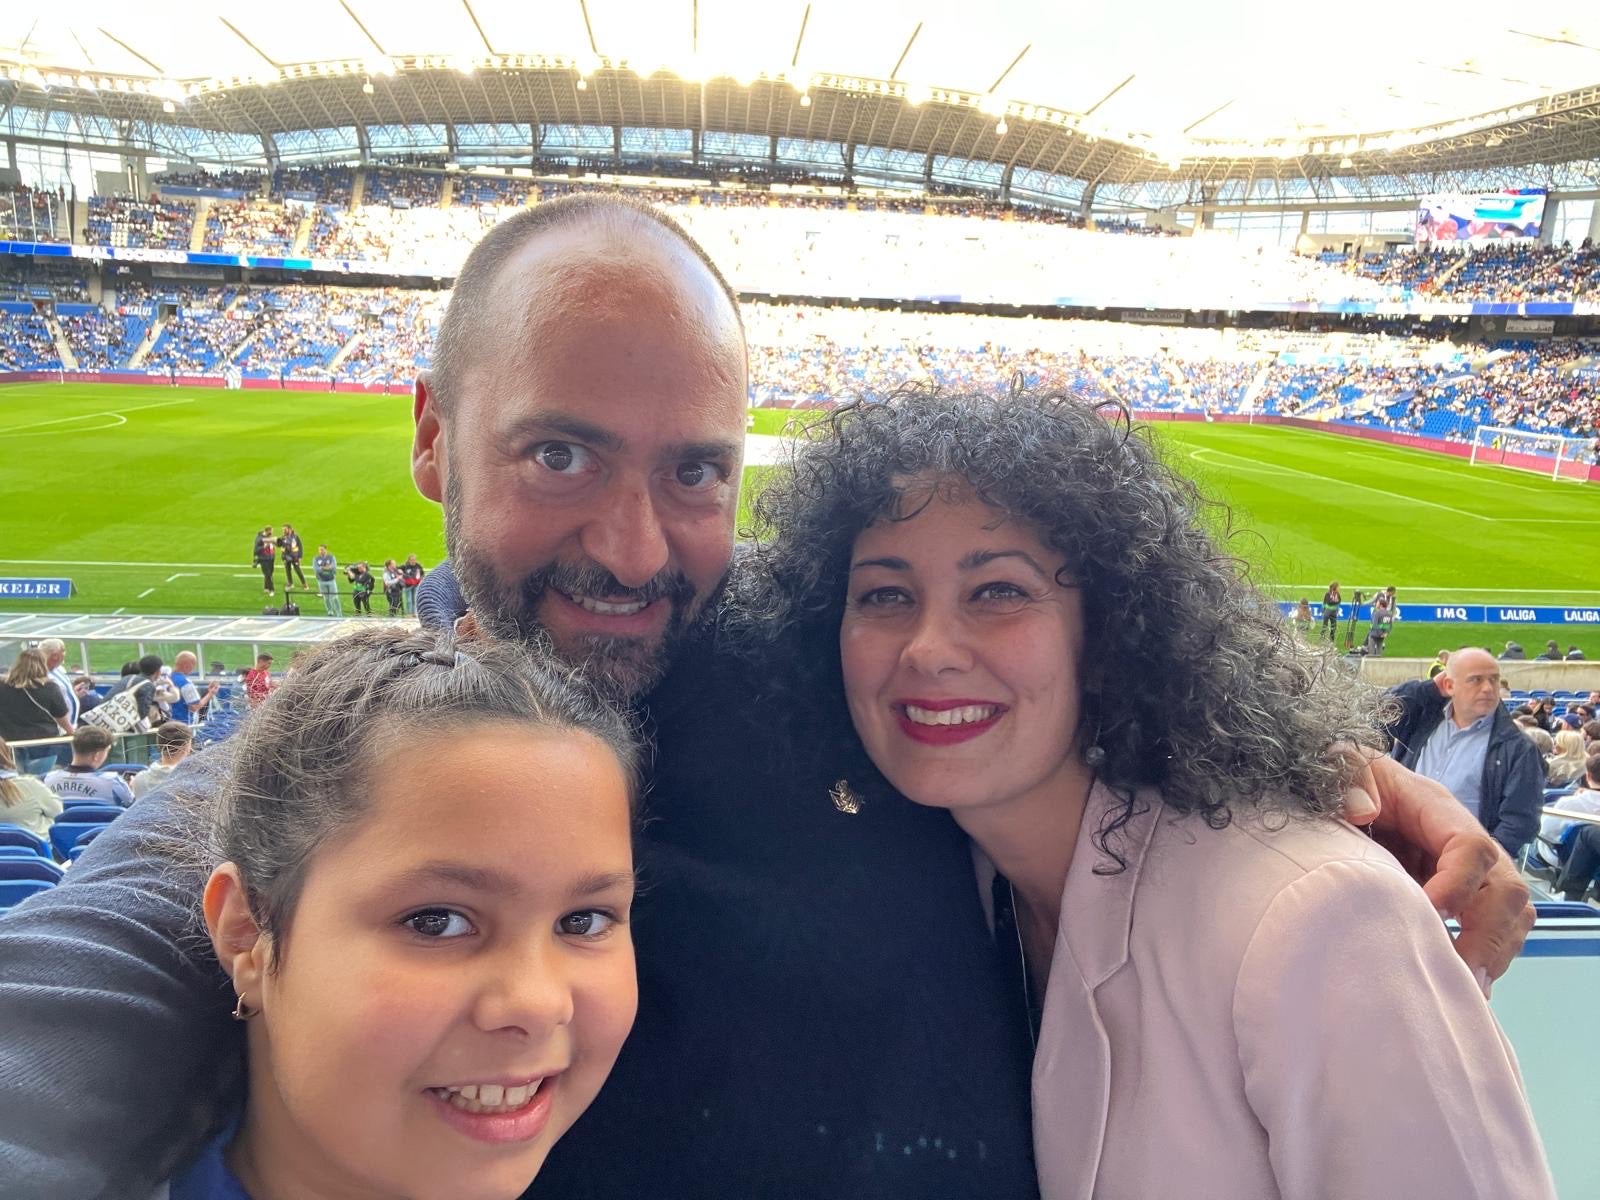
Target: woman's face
x=468 y=938
x=962 y=656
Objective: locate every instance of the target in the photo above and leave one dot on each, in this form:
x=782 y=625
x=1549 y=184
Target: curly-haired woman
x=1236 y=994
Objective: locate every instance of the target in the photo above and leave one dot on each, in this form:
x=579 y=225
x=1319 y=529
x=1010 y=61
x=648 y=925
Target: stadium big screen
x=1480 y=216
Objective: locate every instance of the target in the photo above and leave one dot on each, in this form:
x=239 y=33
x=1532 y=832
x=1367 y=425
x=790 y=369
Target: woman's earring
x=240 y=1012
x=1094 y=757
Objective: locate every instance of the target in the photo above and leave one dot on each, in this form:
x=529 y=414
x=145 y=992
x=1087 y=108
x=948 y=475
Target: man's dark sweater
x=1513 y=773
x=823 y=1014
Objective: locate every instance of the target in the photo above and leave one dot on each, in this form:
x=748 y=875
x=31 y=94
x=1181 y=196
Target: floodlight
x=1001 y=128
x=367 y=89
x=917 y=93
x=167 y=106
x=583 y=84
x=1346 y=162
x=805 y=99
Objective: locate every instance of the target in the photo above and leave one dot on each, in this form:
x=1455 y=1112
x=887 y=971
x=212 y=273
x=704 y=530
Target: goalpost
x=1549 y=454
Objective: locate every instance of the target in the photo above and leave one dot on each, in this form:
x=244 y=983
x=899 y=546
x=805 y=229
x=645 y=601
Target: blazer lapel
x=1072 y=1064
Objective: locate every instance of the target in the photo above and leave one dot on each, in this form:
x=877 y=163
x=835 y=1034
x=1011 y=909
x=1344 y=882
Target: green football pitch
x=148 y=498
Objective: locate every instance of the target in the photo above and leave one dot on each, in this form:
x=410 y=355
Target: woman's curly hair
x=1192 y=681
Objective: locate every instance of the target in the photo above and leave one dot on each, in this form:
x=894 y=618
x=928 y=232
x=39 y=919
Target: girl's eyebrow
x=603 y=881
x=979 y=558
x=480 y=879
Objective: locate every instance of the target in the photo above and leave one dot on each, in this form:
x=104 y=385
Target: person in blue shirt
x=191 y=703
x=83 y=779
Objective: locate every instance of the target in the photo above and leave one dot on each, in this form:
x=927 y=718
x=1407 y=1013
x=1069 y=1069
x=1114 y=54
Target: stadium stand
x=153 y=224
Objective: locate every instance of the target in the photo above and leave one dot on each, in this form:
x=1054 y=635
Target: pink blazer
x=1245 y=1014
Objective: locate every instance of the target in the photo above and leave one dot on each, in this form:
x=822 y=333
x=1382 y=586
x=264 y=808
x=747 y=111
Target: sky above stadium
x=1232 y=70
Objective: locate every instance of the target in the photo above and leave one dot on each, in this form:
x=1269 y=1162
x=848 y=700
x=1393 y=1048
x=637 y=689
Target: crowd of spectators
x=407 y=189
x=24 y=279
x=233 y=227
x=29 y=215
x=26 y=344
x=101 y=340
x=1508 y=272
x=154 y=224
x=248 y=182
x=324 y=185
x=504 y=190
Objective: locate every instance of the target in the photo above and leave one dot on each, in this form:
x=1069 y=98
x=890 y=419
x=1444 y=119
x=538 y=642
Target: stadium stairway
x=302 y=232
x=146 y=344
x=346 y=350
x=358 y=191
x=447 y=194
x=1450 y=272
x=197 y=235
x=63 y=349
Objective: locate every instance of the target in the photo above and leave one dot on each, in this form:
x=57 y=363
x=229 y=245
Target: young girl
x=422 y=877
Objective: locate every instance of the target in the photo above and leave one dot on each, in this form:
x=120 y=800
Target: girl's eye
x=590 y=923
x=438 y=923
x=563 y=458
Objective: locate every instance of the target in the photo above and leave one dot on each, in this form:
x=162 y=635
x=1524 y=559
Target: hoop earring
x=240 y=1012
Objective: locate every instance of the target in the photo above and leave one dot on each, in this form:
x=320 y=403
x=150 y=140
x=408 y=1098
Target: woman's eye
x=699 y=476
x=884 y=597
x=587 y=924
x=1001 y=597
x=438 y=923
x=563 y=458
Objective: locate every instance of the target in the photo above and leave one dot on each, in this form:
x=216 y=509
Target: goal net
x=1546 y=453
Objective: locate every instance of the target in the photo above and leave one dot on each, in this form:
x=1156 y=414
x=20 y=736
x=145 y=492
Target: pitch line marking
x=109 y=412
x=1261 y=468
x=144 y=593
x=84 y=562
x=183 y=575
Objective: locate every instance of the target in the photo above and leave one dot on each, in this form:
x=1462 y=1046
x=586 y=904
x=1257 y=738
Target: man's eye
x=589 y=923
x=438 y=923
x=699 y=476
x=564 y=458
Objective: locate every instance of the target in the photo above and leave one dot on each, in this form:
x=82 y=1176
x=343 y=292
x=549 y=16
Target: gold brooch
x=844 y=797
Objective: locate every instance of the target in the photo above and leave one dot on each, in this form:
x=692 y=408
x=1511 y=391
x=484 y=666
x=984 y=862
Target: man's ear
x=427 y=443
x=240 y=946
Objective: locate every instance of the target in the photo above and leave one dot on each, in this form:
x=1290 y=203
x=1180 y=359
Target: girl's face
x=962 y=657
x=458 y=976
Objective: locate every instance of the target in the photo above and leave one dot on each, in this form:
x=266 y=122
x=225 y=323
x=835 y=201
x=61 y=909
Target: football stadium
x=1040 y=266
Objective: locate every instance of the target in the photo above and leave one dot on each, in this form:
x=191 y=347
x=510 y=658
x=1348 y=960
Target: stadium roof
x=1106 y=92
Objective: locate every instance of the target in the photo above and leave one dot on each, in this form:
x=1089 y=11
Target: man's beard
x=625 y=667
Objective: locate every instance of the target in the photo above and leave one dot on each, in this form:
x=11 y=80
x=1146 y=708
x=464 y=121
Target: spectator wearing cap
x=1552 y=652
x=83 y=778
x=1513 y=652
x=1574 y=654
x=174 y=739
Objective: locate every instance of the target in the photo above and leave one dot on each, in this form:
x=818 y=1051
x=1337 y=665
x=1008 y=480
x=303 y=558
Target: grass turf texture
x=148 y=498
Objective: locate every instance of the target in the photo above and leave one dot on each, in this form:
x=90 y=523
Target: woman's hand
x=1461 y=868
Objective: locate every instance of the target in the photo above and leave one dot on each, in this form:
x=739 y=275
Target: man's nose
x=626 y=538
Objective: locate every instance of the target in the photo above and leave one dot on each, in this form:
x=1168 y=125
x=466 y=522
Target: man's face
x=1473 y=685
x=590 y=463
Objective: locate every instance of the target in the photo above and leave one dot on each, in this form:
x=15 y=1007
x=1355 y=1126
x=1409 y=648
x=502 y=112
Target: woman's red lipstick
x=947 y=735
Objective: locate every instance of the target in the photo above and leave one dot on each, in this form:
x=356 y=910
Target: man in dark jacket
x=1467 y=741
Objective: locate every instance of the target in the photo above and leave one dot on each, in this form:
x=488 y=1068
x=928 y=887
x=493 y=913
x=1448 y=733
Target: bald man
x=1470 y=744
x=822 y=1010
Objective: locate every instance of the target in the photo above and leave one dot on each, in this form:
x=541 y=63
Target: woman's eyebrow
x=888 y=562
x=980 y=558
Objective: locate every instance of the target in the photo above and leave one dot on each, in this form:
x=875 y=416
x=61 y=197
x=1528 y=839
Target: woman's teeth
x=487 y=1097
x=951 y=716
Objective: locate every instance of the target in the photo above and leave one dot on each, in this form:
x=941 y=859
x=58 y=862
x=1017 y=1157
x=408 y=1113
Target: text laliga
x=1581 y=616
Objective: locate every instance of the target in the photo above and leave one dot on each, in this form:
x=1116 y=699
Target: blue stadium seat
x=21 y=852
x=90 y=811
x=16 y=835
x=65 y=834
x=1545 y=909
x=31 y=867
x=76 y=852
x=15 y=891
